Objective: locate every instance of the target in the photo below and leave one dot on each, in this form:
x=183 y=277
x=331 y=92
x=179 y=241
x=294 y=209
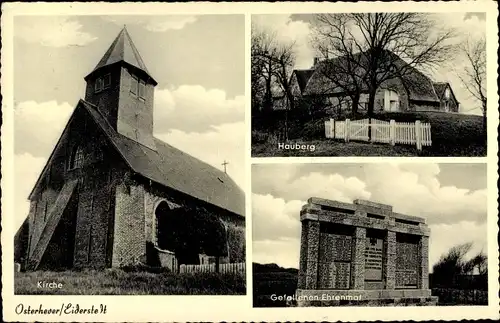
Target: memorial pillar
x=423 y=272
x=301 y=284
x=311 y=279
x=358 y=259
x=390 y=260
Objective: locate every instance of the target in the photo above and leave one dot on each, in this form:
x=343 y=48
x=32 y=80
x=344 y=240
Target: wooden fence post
x=332 y=128
x=347 y=129
x=418 y=134
x=392 y=132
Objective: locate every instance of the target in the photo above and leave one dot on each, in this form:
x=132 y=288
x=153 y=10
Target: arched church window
x=77 y=158
x=162 y=226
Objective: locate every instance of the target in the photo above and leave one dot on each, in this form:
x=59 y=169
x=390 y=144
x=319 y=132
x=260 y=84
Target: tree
x=284 y=58
x=376 y=47
x=272 y=65
x=330 y=37
x=262 y=70
x=473 y=76
x=454 y=264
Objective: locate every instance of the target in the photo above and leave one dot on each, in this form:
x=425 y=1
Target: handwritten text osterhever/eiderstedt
x=65 y=309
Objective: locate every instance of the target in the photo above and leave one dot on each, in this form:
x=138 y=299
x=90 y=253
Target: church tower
x=123 y=90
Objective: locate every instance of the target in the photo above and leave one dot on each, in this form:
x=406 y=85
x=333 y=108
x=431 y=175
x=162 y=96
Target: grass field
x=120 y=282
x=452 y=135
x=269 y=279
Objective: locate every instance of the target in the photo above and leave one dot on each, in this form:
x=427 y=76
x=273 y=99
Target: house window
x=142 y=89
x=447 y=93
x=134 y=85
x=77 y=158
x=391 y=101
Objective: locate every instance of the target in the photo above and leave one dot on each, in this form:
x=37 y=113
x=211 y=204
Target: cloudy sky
x=451 y=197
x=198 y=62
x=298 y=27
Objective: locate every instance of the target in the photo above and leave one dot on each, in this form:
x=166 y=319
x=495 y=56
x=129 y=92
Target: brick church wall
x=107 y=100
x=129 y=242
x=94 y=194
x=94 y=213
x=131 y=104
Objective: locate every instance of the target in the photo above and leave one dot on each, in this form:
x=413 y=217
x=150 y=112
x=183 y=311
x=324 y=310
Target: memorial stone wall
x=363 y=248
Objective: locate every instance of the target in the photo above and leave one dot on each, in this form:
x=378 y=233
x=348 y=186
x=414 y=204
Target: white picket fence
x=392 y=132
x=238 y=267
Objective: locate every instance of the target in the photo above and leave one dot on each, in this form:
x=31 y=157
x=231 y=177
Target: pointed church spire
x=122 y=50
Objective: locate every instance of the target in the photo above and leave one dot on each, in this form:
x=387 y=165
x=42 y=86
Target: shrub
x=259 y=136
x=314 y=130
x=236 y=242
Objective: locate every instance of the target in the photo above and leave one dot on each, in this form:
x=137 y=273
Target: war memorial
x=362 y=253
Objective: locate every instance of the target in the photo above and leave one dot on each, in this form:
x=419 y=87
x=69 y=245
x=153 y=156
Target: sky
x=198 y=62
x=451 y=197
x=298 y=28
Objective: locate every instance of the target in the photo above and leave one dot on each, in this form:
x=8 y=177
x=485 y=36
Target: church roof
x=174 y=168
x=122 y=50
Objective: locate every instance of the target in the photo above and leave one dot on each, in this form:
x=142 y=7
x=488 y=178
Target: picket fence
x=392 y=132
x=235 y=268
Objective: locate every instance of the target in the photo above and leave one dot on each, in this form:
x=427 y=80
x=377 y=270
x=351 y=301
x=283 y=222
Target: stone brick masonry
x=100 y=212
x=389 y=252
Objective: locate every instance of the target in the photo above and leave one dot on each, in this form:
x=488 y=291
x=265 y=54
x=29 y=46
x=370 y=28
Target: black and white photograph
x=129 y=160
x=369 y=84
x=249 y=161
x=369 y=234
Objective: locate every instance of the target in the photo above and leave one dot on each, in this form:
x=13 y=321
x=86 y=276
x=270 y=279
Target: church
x=113 y=195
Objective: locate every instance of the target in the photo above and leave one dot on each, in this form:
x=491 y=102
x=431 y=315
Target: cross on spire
x=224 y=164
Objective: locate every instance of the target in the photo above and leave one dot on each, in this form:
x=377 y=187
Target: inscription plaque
x=343 y=275
x=343 y=246
x=326 y=275
x=334 y=265
x=407 y=263
x=373 y=259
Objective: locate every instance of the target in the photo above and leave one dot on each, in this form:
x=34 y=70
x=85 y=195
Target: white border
x=239 y=308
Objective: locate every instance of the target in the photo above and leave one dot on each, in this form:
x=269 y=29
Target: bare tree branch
x=376 y=47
